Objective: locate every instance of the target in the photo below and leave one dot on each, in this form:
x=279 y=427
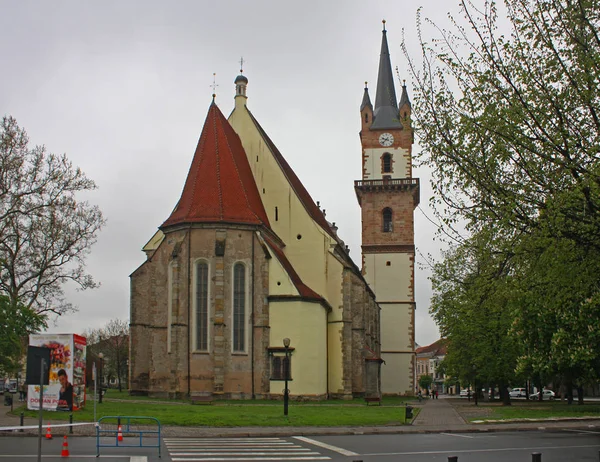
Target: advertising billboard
x=66 y=388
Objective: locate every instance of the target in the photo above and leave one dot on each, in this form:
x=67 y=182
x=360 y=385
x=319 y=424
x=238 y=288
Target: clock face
x=386 y=139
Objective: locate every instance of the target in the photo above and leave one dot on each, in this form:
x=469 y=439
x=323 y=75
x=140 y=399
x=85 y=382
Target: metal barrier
x=131 y=427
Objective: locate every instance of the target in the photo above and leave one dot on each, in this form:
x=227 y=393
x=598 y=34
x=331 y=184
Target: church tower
x=388 y=195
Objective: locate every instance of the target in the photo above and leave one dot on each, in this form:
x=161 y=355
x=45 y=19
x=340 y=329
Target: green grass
x=387 y=400
x=239 y=414
x=539 y=411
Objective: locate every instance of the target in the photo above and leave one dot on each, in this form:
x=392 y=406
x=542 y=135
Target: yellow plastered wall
x=307 y=244
x=373 y=167
x=305 y=325
x=390 y=283
x=394 y=376
x=335 y=326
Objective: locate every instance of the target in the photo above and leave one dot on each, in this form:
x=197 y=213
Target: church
x=247 y=285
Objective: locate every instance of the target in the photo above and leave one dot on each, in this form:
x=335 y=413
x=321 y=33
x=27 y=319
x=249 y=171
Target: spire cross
x=214 y=85
x=241 y=64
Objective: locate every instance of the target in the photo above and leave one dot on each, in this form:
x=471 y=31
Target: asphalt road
x=554 y=446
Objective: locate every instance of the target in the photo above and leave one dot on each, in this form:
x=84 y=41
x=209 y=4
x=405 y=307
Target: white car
x=547 y=394
x=518 y=393
x=465 y=393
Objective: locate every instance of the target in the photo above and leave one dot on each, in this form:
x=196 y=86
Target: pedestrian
x=23 y=392
x=436 y=394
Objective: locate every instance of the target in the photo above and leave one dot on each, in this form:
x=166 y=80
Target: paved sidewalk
x=438 y=413
x=436 y=416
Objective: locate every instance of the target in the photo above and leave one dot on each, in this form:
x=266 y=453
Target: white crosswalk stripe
x=230 y=449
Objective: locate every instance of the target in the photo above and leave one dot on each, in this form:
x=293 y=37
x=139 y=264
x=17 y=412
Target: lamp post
x=286 y=372
x=101 y=357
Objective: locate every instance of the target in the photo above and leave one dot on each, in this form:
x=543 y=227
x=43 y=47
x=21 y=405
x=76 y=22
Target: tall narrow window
x=387 y=220
x=386 y=161
x=239 y=307
x=202 y=306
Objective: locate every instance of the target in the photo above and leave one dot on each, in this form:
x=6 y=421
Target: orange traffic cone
x=120 y=434
x=65 y=448
x=48 y=433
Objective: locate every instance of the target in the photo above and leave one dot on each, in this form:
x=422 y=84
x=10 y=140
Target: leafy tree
x=509 y=123
x=112 y=341
x=16 y=323
x=510 y=127
x=45 y=232
x=471 y=306
x=425 y=381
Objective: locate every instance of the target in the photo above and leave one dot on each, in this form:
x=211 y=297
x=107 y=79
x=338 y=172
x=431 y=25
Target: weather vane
x=214 y=85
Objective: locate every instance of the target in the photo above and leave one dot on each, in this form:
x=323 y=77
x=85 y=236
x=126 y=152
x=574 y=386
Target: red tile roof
x=439 y=347
x=312 y=209
x=220 y=186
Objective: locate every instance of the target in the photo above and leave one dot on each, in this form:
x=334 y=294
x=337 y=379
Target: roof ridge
x=317 y=216
x=237 y=171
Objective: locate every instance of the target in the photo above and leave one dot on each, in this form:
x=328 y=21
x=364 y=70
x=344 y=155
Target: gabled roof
x=305 y=292
x=386 y=111
x=437 y=348
x=293 y=180
x=220 y=187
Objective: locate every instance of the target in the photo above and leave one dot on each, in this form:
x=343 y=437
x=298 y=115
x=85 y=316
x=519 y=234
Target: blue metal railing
x=133 y=429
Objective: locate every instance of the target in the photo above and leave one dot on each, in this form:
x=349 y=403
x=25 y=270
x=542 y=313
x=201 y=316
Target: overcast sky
x=123 y=89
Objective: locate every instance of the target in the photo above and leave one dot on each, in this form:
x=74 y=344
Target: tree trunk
x=504 y=396
x=569 y=384
x=579 y=395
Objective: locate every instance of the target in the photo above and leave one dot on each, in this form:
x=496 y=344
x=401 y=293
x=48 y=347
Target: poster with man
x=66 y=389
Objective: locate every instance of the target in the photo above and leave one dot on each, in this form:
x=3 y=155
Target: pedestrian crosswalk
x=230 y=449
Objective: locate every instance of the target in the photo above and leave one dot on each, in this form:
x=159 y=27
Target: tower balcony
x=388 y=185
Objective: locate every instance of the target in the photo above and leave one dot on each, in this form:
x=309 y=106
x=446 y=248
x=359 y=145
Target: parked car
x=465 y=393
x=518 y=393
x=548 y=394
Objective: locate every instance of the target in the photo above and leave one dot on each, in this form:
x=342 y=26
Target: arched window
x=386 y=161
x=387 y=220
x=366 y=118
x=201 y=306
x=239 y=307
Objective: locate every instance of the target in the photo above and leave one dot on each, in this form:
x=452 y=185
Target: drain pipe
x=189 y=311
x=252 y=319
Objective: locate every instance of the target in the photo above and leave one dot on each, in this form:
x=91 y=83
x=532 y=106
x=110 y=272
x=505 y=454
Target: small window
x=276 y=214
x=366 y=118
x=239 y=307
x=386 y=160
x=202 y=306
x=388 y=263
x=387 y=220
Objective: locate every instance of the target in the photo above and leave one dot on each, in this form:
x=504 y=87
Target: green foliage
x=425 y=381
x=16 y=323
x=509 y=124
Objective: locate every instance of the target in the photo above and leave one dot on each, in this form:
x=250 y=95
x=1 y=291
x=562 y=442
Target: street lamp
x=286 y=372
x=101 y=357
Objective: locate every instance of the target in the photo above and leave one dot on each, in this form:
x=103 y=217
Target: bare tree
x=112 y=341
x=45 y=232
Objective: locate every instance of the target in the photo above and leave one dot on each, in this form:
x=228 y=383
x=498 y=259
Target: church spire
x=366 y=102
x=386 y=109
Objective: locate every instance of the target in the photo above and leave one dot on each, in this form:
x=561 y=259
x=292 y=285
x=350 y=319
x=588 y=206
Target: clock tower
x=388 y=195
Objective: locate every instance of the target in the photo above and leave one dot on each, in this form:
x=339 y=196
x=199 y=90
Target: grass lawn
x=527 y=410
x=237 y=414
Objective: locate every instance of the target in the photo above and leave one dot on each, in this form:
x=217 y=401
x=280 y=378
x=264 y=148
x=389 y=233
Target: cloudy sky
x=123 y=88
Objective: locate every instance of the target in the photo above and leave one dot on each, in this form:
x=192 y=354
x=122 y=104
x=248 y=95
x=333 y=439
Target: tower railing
x=387 y=182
